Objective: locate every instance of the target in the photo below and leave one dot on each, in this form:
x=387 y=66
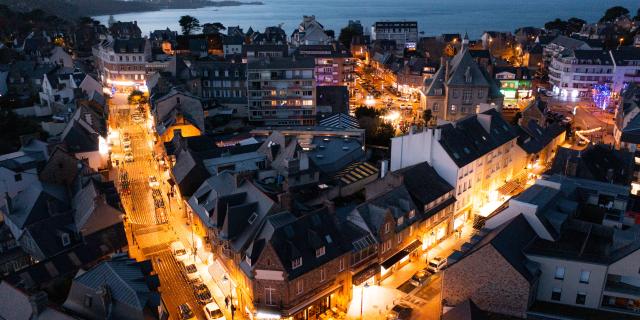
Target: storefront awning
x=311 y=300
x=401 y=254
x=365 y=274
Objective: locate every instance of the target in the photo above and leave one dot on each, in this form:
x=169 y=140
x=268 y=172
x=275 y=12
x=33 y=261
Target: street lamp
x=366 y=285
x=225 y=278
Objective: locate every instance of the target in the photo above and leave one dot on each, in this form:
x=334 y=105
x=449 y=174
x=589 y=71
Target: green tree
x=613 y=13
x=209 y=28
x=426 y=116
x=557 y=24
x=575 y=24
x=189 y=24
x=137 y=97
x=347 y=34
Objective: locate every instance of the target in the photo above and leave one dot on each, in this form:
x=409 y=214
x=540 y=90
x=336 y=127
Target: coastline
x=149 y=7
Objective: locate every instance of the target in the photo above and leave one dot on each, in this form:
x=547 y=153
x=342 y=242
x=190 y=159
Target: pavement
x=378 y=300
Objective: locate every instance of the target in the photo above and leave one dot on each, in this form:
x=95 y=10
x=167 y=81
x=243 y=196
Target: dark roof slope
x=424 y=184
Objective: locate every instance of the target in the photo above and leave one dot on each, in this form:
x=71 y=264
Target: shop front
x=399 y=259
x=435 y=235
x=317 y=305
x=366 y=276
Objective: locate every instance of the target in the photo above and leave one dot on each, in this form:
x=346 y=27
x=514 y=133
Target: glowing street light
x=366 y=285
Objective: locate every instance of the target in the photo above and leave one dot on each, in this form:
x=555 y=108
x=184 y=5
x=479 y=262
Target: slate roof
x=468 y=140
x=624 y=56
x=397 y=201
x=332 y=154
x=568 y=42
x=509 y=240
x=340 y=121
x=15 y=305
x=596 y=162
x=533 y=138
x=38 y=202
x=467 y=310
x=300 y=238
x=136 y=45
x=83 y=130
x=189 y=172
x=424 y=184
x=630 y=101
x=126 y=280
x=46 y=235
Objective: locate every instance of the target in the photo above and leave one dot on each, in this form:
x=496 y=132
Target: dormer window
x=412 y=214
x=65 y=239
x=295 y=263
x=400 y=221
x=252 y=218
x=387 y=227
x=320 y=252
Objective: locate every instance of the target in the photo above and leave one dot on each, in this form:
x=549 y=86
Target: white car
x=126 y=142
x=179 y=251
x=153 y=182
x=213 y=312
x=128 y=157
x=190 y=270
x=436 y=264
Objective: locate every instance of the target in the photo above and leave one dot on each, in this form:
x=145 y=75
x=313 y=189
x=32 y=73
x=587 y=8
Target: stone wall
x=489 y=280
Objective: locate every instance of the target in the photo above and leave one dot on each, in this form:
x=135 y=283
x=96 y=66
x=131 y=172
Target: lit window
x=300 y=286
x=387 y=227
x=295 y=263
x=320 y=252
x=322 y=274
x=559 y=273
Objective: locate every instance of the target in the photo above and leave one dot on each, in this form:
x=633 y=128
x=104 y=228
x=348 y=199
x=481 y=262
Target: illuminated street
x=149 y=233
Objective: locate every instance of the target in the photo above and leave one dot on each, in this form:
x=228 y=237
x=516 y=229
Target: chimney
x=285 y=200
x=39 y=302
x=384 y=167
x=571 y=168
x=331 y=206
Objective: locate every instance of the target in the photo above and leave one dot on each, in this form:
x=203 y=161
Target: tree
x=557 y=24
x=209 y=28
x=137 y=97
x=575 y=25
x=347 y=34
x=189 y=24
x=613 y=13
x=426 y=116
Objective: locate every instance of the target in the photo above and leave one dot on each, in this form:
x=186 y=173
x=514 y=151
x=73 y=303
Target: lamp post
x=225 y=278
x=366 y=285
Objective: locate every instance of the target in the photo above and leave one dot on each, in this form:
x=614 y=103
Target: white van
x=436 y=264
x=179 y=251
x=213 y=312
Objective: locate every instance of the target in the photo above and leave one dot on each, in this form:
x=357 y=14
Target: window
x=88 y=301
x=387 y=227
x=320 y=252
x=556 y=293
x=65 y=239
x=584 y=276
x=412 y=214
x=322 y=274
x=400 y=221
x=480 y=94
x=467 y=95
x=559 y=273
x=399 y=238
x=268 y=296
x=341 y=264
x=17 y=177
x=386 y=246
x=581 y=298
x=295 y=263
x=300 y=286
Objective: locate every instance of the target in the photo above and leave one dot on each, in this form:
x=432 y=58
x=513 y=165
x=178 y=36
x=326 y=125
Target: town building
x=627 y=67
x=626 y=131
x=177 y=110
x=310 y=32
x=476 y=155
x=404 y=33
x=516 y=84
x=458 y=87
x=540 y=143
x=221 y=84
x=281 y=91
x=334 y=64
x=123 y=63
x=119 y=287
x=17 y=304
x=574 y=73
x=559 y=44
x=125 y=30
x=18 y=170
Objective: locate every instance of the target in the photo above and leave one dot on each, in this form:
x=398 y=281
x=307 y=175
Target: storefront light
x=103 y=146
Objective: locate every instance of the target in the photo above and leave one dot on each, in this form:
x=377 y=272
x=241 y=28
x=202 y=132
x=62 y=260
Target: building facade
x=281 y=91
x=404 y=33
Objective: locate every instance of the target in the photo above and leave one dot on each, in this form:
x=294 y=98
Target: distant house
x=119 y=288
x=310 y=32
x=85 y=135
x=626 y=131
x=18 y=170
x=177 y=110
x=540 y=143
x=18 y=305
x=125 y=30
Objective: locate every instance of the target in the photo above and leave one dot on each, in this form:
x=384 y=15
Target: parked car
x=202 y=293
x=128 y=157
x=548 y=93
x=400 y=312
x=213 y=312
x=436 y=264
x=179 y=251
x=153 y=182
x=126 y=142
x=185 y=312
x=420 y=277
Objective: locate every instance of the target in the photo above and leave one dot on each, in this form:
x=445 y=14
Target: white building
x=123 y=62
x=573 y=73
x=405 y=33
x=19 y=169
x=476 y=155
x=310 y=32
x=559 y=45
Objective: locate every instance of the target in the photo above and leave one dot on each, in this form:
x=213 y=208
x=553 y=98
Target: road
x=150 y=235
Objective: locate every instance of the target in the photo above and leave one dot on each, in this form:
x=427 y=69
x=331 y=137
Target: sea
x=434 y=16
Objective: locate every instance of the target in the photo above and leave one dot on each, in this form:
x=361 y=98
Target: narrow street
x=149 y=233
